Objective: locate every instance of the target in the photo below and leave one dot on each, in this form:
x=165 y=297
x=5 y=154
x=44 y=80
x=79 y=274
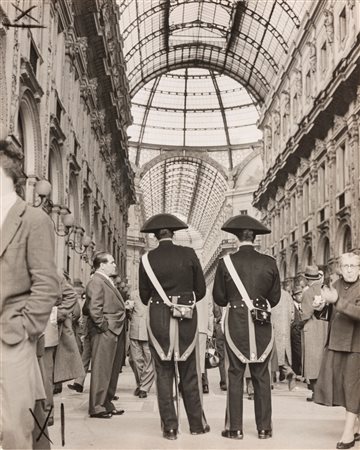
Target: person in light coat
x=139 y=347
x=282 y=315
x=314 y=331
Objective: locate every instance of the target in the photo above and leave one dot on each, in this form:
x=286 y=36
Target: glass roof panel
x=202 y=100
x=209 y=31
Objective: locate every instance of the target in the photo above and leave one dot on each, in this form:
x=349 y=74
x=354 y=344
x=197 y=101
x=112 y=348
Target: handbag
x=212 y=356
x=177 y=311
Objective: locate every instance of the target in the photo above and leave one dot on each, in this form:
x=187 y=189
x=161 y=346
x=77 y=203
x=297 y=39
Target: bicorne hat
x=312 y=273
x=160 y=221
x=244 y=222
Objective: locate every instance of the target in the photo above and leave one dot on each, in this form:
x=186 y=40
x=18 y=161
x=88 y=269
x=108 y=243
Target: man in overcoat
x=29 y=289
x=174 y=341
x=62 y=360
x=314 y=331
x=106 y=310
x=247 y=340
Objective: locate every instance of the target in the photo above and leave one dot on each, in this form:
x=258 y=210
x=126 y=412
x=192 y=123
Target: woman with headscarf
x=339 y=378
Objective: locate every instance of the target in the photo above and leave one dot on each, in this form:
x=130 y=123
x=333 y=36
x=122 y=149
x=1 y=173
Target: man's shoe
x=117 y=412
x=170 y=434
x=232 y=434
x=342 y=445
x=102 y=415
x=357 y=437
x=205 y=430
x=136 y=392
x=76 y=387
x=264 y=434
x=116 y=397
x=205 y=389
x=311 y=398
x=223 y=386
x=142 y=394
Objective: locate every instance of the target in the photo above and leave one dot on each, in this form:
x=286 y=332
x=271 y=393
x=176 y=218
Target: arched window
x=344 y=239
x=307 y=257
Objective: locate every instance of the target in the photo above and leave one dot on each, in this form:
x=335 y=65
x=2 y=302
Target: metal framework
x=247 y=40
x=198 y=70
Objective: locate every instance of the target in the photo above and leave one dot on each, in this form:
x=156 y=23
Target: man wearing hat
x=243 y=280
x=296 y=330
x=171 y=275
x=314 y=331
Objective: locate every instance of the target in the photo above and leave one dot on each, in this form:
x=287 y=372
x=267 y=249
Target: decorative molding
x=312 y=56
x=29 y=80
x=329 y=25
x=55 y=130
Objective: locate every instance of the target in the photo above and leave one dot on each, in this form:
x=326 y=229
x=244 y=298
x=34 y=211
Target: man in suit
x=174 y=341
x=106 y=310
x=139 y=348
x=29 y=289
x=248 y=338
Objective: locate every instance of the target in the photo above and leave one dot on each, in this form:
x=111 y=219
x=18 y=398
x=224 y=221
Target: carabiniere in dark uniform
x=179 y=273
x=247 y=340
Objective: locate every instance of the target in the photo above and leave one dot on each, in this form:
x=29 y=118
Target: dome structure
x=193 y=108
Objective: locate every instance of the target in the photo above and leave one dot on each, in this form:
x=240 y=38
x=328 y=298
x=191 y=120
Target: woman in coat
x=339 y=378
x=314 y=331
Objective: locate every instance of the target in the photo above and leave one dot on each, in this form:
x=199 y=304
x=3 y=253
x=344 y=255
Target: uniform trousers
x=190 y=387
x=20 y=386
x=142 y=364
x=106 y=361
x=260 y=376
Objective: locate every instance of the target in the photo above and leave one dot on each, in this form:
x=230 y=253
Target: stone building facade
x=65 y=106
x=309 y=195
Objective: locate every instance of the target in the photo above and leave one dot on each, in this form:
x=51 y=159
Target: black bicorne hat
x=244 y=222
x=161 y=221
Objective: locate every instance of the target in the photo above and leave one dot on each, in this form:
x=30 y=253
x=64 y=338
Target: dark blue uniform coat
x=260 y=277
x=179 y=272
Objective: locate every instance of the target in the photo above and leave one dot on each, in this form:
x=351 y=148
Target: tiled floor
x=297 y=423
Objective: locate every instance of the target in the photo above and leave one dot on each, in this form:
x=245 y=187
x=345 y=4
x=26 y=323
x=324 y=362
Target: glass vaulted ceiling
x=198 y=70
x=245 y=39
x=191 y=108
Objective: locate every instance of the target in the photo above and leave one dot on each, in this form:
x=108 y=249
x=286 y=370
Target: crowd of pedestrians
x=52 y=332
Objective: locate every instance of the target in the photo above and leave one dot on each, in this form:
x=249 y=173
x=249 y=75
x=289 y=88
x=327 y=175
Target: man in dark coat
x=247 y=340
x=173 y=341
x=296 y=331
x=106 y=310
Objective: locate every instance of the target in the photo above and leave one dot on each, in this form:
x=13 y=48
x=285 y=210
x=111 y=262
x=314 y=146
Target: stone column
x=353 y=132
x=331 y=158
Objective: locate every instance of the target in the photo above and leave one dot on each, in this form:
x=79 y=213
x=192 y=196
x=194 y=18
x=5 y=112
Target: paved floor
x=297 y=423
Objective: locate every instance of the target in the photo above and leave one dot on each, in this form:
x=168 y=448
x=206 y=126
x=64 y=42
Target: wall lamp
x=76 y=239
x=43 y=189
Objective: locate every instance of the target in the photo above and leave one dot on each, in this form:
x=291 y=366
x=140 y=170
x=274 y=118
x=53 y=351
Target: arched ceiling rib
x=186 y=187
x=192 y=107
x=245 y=39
